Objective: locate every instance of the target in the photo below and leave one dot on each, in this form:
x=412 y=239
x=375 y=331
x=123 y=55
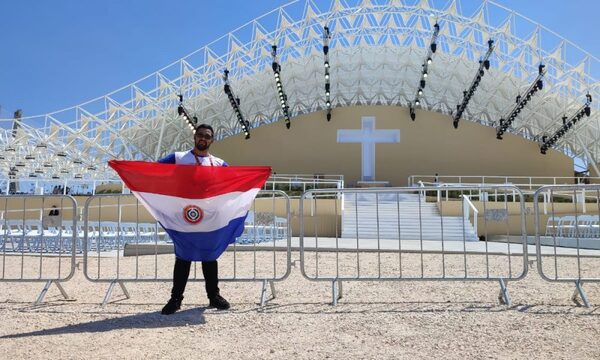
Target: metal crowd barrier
x=414 y=234
x=124 y=244
x=37 y=240
x=568 y=235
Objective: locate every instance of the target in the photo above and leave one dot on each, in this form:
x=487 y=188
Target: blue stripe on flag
x=206 y=246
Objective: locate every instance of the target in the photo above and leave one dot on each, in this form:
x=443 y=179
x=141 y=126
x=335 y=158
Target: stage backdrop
x=382 y=143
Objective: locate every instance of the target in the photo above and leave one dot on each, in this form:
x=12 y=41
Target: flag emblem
x=193 y=214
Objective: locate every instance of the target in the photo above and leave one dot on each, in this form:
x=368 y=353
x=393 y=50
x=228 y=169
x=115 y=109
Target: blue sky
x=57 y=54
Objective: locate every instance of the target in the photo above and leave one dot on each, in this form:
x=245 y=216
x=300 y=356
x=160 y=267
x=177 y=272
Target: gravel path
x=374 y=320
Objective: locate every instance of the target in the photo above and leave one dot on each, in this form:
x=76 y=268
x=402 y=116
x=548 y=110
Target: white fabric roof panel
x=376 y=52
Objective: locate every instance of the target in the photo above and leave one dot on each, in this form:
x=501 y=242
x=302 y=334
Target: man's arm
x=169 y=159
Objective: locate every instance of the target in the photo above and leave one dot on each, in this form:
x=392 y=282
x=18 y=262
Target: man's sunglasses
x=204 y=136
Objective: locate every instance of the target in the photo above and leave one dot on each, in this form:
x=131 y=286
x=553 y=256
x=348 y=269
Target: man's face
x=203 y=138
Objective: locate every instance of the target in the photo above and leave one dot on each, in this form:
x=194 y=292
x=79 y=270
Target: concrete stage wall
x=427 y=146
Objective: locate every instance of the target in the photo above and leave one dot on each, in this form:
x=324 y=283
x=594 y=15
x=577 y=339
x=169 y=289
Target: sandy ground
x=374 y=319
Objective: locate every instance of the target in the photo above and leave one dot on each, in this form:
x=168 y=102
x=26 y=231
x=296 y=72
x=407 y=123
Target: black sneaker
x=219 y=302
x=172 y=306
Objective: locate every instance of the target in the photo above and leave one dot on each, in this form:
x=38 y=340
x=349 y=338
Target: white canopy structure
x=377 y=48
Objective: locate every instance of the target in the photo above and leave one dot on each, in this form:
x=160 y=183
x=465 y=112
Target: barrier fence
x=569 y=220
x=124 y=244
x=407 y=234
x=392 y=234
x=37 y=240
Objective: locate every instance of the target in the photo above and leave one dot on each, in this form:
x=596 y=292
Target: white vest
x=188 y=158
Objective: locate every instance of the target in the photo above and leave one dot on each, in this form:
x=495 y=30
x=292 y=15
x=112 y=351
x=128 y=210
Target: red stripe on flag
x=189 y=181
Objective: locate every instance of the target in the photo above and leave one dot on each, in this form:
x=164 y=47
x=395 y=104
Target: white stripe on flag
x=218 y=210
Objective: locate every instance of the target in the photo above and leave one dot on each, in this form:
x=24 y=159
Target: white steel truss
x=376 y=51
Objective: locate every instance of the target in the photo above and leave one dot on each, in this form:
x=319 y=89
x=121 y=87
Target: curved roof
x=377 y=49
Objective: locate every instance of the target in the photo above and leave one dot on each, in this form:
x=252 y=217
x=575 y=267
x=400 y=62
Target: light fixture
x=282 y=96
x=326 y=37
x=191 y=121
x=235 y=104
x=521 y=102
x=425 y=73
x=567 y=124
x=483 y=64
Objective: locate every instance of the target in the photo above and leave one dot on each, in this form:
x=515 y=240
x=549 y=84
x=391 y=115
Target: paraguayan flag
x=202 y=208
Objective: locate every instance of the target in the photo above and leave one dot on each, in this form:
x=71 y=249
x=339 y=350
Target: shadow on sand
x=152 y=320
x=430 y=307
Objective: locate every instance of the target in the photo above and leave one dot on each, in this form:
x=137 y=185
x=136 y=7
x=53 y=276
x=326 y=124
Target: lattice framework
x=377 y=48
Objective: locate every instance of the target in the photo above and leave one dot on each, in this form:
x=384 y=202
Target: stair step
x=418 y=219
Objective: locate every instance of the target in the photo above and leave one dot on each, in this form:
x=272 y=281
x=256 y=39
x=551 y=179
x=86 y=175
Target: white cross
x=368 y=137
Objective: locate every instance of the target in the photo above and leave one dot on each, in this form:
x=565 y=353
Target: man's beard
x=202 y=147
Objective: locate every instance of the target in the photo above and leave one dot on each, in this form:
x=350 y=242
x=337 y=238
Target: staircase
x=406 y=207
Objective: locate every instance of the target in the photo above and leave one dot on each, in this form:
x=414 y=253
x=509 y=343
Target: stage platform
x=500 y=245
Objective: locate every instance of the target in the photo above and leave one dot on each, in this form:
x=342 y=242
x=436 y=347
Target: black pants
x=181 y=272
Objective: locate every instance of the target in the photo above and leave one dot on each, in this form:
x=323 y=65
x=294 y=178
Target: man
x=53 y=218
x=203 y=138
x=54 y=211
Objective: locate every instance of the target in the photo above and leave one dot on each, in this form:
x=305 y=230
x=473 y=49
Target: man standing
x=203 y=138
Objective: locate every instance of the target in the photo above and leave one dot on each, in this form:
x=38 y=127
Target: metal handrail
x=466 y=205
x=486 y=180
x=38 y=184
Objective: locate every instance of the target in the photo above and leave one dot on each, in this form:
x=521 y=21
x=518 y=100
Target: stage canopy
x=377 y=51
